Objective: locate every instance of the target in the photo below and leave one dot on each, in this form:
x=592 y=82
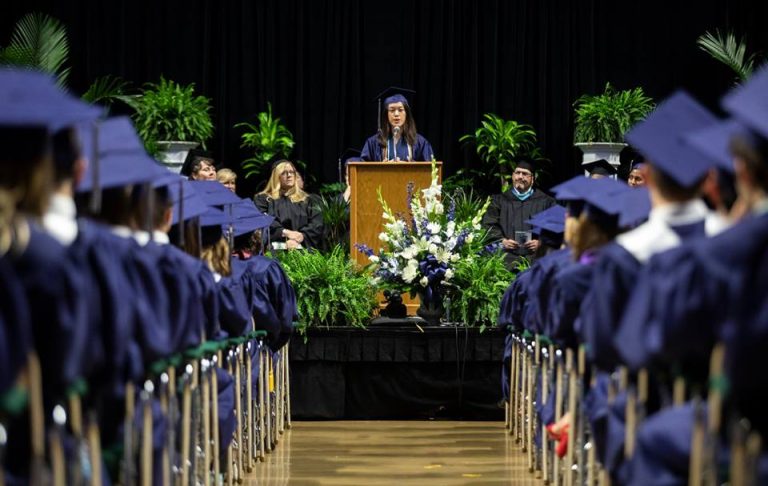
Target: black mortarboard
x=393 y=94
x=528 y=165
x=660 y=138
x=600 y=167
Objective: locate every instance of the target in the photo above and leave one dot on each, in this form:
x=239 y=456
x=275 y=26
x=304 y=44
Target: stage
x=397 y=371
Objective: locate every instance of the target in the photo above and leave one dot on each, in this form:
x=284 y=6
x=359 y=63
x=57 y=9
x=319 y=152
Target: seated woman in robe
x=298 y=222
x=198 y=166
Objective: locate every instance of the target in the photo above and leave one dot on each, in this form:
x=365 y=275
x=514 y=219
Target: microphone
x=396 y=132
x=395 y=136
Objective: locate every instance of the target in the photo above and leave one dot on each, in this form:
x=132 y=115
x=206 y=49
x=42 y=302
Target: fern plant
x=39 y=42
x=330 y=289
x=482 y=280
x=106 y=89
x=268 y=139
x=606 y=117
x=500 y=144
x=167 y=111
x=730 y=51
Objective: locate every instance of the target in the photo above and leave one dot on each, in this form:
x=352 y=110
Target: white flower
x=383 y=236
x=443 y=256
x=439 y=208
x=435 y=239
x=433 y=248
x=410 y=252
x=450 y=228
x=411 y=271
x=449 y=274
x=470 y=237
x=424 y=281
x=455 y=257
x=373 y=258
x=434 y=228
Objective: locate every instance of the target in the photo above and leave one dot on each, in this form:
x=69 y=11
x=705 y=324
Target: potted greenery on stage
x=602 y=120
x=171 y=120
x=330 y=290
x=501 y=144
x=268 y=139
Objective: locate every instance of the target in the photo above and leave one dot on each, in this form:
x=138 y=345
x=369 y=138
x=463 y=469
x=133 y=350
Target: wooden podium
x=365 y=212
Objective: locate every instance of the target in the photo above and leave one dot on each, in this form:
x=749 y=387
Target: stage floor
x=397 y=372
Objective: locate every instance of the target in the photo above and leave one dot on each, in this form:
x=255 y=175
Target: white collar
x=160 y=237
x=141 y=237
x=675 y=214
x=122 y=231
x=60 y=220
x=761 y=207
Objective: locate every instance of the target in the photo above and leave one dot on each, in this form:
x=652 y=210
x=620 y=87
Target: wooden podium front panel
x=365 y=211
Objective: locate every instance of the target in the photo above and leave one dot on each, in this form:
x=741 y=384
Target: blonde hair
x=589 y=234
x=272 y=189
x=217 y=257
x=226 y=175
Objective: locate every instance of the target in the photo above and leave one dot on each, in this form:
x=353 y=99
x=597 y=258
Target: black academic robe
x=507 y=214
x=304 y=216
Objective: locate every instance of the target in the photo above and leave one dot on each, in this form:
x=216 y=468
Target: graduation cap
x=599 y=197
x=249 y=224
x=714 y=142
x=660 y=138
x=213 y=193
x=32 y=99
x=748 y=103
x=635 y=207
x=393 y=94
x=554 y=213
x=600 y=167
x=117 y=164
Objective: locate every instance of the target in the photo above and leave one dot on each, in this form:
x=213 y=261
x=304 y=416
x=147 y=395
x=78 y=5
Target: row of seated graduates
x=638 y=349
x=95 y=308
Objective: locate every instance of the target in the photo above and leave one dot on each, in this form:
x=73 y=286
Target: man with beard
x=507 y=216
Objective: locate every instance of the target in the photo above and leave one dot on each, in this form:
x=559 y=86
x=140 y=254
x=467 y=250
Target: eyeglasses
x=288 y=173
x=523 y=173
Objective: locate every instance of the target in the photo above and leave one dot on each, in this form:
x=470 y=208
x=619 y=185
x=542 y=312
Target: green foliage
x=40 y=42
x=482 y=280
x=466 y=203
x=168 y=111
x=607 y=117
x=330 y=290
x=729 y=51
x=500 y=144
x=335 y=213
x=106 y=89
x=268 y=138
x=332 y=189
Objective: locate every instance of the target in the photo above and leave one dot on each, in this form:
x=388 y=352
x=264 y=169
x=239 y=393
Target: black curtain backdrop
x=320 y=63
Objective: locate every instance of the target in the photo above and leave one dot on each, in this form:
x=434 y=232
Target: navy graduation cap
x=32 y=99
x=393 y=94
x=749 y=102
x=214 y=193
x=714 y=142
x=635 y=207
x=249 y=224
x=555 y=213
x=659 y=138
x=191 y=205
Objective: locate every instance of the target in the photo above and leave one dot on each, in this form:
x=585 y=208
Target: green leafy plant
x=479 y=284
x=500 y=144
x=335 y=211
x=330 y=289
x=730 y=51
x=606 y=117
x=168 y=111
x=40 y=42
x=106 y=89
x=465 y=202
x=269 y=138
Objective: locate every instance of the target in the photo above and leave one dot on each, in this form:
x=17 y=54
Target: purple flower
x=363 y=248
x=452 y=210
x=491 y=248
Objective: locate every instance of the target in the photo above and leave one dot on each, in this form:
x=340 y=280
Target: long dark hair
x=409 y=128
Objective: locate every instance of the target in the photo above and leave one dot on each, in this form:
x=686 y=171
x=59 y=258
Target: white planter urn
x=173 y=154
x=601 y=150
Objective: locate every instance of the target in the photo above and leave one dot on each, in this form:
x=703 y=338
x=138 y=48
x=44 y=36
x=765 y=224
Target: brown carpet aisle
x=394 y=453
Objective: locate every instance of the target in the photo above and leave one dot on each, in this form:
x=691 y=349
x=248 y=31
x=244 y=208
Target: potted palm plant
x=500 y=144
x=171 y=120
x=602 y=120
x=267 y=139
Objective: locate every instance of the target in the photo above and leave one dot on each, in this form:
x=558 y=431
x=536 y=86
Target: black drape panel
x=320 y=63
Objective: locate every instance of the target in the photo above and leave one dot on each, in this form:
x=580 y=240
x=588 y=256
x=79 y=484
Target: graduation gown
x=303 y=216
x=276 y=302
x=420 y=152
x=15 y=329
x=507 y=214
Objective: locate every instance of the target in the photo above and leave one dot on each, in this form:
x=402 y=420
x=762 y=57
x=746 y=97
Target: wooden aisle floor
x=394 y=453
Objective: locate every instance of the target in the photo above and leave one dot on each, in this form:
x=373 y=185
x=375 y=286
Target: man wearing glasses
x=507 y=216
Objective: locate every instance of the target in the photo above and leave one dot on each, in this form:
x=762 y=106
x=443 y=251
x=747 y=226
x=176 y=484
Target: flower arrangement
x=420 y=251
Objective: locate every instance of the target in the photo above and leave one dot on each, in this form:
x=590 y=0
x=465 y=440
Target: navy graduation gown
x=572 y=282
x=15 y=329
x=271 y=281
x=542 y=280
x=420 y=152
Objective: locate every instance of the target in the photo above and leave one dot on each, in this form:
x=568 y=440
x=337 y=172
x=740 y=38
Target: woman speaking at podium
x=396 y=139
